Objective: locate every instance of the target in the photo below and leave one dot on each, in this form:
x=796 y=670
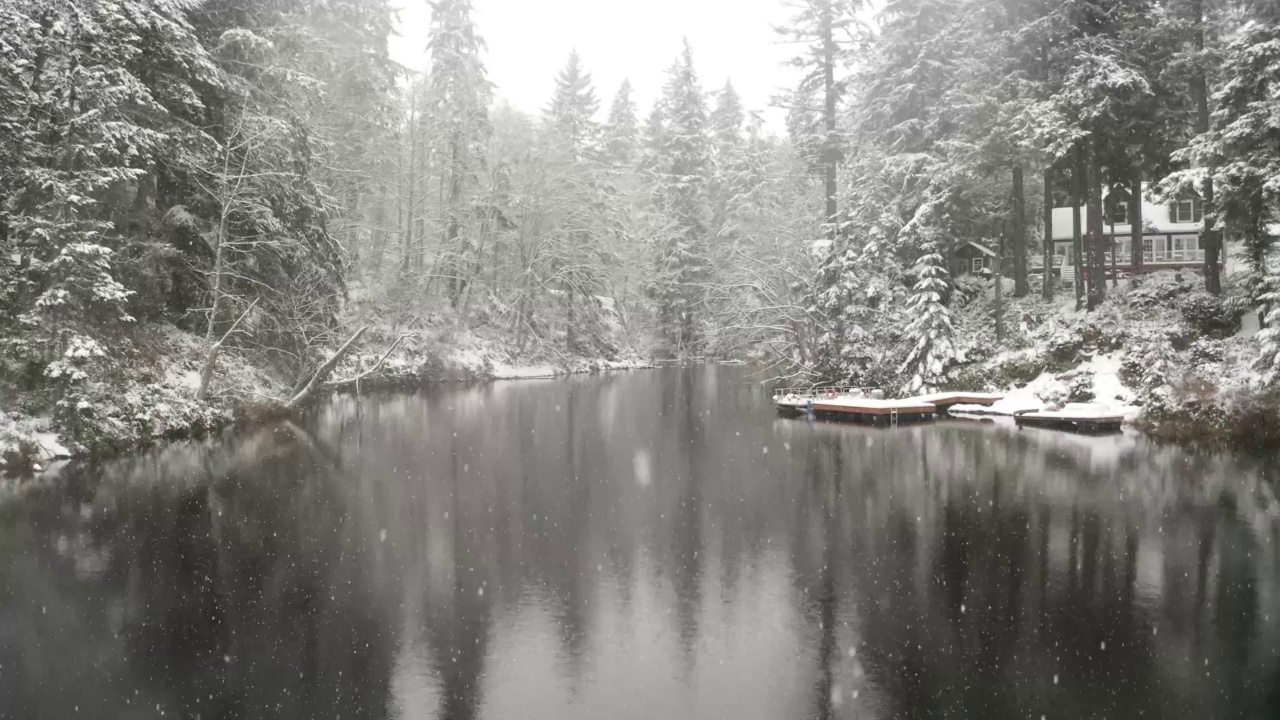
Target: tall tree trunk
x=1135 y=221
x=1020 y=285
x=1097 y=281
x=451 y=250
x=1209 y=238
x=999 y=292
x=1046 y=289
x=1077 y=244
x=830 y=152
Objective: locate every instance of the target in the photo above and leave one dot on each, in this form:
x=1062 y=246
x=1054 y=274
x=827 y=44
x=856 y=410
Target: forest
x=211 y=209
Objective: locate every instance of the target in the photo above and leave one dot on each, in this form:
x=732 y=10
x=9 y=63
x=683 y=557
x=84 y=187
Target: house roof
x=984 y=249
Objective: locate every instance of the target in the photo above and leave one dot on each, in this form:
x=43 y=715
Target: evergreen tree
x=930 y=332
x=584 y=198
x=824 y=28
x=683 y=159
x=573 y=107
x=622 y=129
x=459 y=96
x=727 y=117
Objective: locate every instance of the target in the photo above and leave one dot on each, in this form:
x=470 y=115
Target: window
x=1188 y=211
x=977 y=264
x=1119 y=213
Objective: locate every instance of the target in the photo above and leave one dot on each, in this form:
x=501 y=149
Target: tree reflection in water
x=640 y=545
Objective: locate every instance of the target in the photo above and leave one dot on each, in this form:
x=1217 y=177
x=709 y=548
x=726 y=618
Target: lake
x=651 y=544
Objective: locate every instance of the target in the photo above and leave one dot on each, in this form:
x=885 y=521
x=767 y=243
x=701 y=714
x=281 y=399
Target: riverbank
x=1182 y=365
x=151 y=395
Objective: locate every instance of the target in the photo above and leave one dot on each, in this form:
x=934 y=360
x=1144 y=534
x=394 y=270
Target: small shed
x=973 y=258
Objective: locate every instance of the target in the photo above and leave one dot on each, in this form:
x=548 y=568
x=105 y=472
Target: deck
x=1081 y=420
x=852 y=404
x=944 y=400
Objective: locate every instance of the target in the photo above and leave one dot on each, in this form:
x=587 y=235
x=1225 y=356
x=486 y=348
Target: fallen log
x=322 y=372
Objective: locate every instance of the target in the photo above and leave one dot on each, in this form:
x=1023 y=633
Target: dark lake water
x=653 y=544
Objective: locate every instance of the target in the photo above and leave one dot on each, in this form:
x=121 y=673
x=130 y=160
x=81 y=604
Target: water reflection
x=640 y=545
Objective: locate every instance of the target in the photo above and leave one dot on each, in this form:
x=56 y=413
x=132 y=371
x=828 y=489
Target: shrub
x=1062 y=349
x=1210 y=315
x=1157 y=291
x=1081 y=388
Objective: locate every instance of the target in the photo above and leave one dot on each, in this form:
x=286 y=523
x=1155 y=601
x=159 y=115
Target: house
x=1170 y=236
x=972 y=258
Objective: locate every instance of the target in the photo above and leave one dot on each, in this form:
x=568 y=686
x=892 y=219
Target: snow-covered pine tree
x=680 y=265
x=584 y=207
x=930 y=332
x=573 y=108
x=621 y=130
x=459 y=96
x=728 y=159
x=1240 y=152
x=90 y=128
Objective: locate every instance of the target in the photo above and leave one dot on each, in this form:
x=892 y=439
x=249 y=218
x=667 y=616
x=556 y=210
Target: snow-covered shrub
x=1080 y=390
x=965 y=289
x=1146 y=365
x=1210 y=315
x=1205 y=351
x=1062 y=348
x=1157 y=290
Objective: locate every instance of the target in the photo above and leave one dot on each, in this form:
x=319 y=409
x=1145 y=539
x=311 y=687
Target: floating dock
x=944 y=400
x=1086 y=419
x=852 y=404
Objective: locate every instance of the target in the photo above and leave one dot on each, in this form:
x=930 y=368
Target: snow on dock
x=946 y=400
x=1077 y=417
x=853 y=404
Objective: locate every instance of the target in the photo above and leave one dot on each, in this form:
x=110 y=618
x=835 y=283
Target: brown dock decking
x=1082 y=421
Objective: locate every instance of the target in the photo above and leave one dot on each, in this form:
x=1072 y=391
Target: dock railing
x=829 y=391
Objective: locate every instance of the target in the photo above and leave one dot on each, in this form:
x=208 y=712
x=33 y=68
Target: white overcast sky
x=530 y=40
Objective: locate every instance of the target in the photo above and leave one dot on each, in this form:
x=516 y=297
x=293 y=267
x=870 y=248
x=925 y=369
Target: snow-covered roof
x=984 y=249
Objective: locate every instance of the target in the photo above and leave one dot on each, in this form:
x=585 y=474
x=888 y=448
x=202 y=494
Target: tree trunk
x=1135 y=222
x=210 y=361
x=1046 y=289
x=322 y=372
x=1209 y=239
x=1020 y=285
x=999 y=292
x=1097 y=281
x=830 y=154
x=1077 y=244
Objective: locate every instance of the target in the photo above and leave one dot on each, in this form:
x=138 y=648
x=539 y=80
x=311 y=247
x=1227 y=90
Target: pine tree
x=727 y=117
x=682 y=154
x=622 y=135
x=585 y=219
x=824 y=27
x=930 y=331
x=1240 y=152
x=459 y=96
x=573 y=107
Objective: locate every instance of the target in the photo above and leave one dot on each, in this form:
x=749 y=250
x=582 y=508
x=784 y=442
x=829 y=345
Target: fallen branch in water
x=323 y=371
x=362 y=375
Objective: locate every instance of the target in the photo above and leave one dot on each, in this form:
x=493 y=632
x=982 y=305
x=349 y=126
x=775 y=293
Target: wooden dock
x=1079 y=419
x=944 y=400
x=873 y=411
x=852 y=404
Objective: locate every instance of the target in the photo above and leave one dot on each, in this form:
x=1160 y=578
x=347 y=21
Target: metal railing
x=824 y=391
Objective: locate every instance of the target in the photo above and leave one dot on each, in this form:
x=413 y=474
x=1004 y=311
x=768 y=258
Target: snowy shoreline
x=246 y=396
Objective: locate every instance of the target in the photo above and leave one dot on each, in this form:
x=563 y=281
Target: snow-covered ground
x=1048 y=391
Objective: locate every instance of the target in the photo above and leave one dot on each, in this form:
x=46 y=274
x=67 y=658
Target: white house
x=1170 y=236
